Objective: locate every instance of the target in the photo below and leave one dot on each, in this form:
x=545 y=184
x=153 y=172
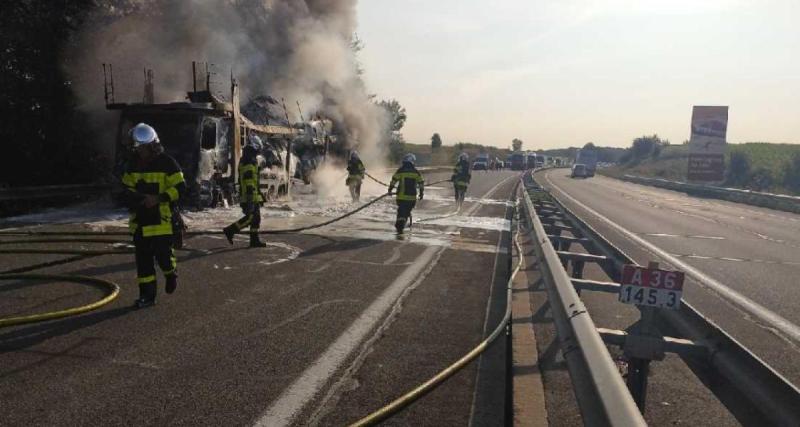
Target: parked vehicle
x=518 y=161
x=530 y=160
x=481 y=162
x=541 y=159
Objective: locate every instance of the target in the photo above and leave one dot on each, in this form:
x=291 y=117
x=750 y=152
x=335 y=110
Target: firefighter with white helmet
x=410 y=185
x=461 y=178
x=250 y=194
x=153 y=182
x=355 y=175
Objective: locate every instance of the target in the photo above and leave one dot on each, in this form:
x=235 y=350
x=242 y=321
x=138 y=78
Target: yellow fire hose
x=113 y=291
x=407 y=399
x=111 y=287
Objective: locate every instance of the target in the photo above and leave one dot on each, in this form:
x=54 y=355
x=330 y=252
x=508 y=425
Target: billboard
x=707 y=143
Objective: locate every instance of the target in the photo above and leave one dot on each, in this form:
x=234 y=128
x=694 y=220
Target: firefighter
x=408 y=180
x=250 y=194
x=152 y=182
x=461 y=177
x=356 y=171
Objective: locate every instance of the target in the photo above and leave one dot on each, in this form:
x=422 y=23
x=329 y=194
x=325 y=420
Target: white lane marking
x=773 y=319
x=294 y=398
x=283 y=410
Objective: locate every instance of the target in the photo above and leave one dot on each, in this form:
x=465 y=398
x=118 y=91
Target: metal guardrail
x=781 y=202
x=602 y=396
x=747 y=385
x=51 y=191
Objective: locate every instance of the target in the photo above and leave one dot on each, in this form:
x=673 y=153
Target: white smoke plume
x=299 y=50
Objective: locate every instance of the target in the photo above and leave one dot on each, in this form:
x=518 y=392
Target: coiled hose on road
x=113 y=288
x=113 y=291
x=418 y=392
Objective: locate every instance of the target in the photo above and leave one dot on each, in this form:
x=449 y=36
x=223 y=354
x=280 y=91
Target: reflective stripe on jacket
x=461 y=174
x=160 y=177
x=249 y=182
x=408 y=179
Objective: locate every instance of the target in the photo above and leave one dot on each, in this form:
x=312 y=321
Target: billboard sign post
x=707 y=143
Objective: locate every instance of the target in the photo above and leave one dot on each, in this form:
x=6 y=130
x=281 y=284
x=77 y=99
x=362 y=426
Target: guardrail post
x=644 y=343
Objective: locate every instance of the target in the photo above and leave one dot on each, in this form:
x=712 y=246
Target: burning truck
x=205 y=134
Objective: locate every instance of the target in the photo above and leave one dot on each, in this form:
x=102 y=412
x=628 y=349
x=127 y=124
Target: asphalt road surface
x=321 y=327
x=742 y=262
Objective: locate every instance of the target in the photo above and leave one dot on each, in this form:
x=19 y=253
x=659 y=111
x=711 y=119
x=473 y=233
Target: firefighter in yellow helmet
x=250 y=194
x=408 y=181
x=152 y=182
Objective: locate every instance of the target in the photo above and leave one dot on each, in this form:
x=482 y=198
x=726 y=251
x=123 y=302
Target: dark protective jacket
x=355 y=167
x=249 y=180
x=161 y=176
x=461 y=174
x=408 y=180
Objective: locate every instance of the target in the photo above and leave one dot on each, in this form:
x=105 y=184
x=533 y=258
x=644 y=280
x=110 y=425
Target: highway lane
x=246 y=326
x=748 y=250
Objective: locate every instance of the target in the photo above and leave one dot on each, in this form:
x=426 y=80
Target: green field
x=673 y=160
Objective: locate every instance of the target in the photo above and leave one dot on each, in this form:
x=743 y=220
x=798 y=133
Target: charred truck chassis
x=205 y=135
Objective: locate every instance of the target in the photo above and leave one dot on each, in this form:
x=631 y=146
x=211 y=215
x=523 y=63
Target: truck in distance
x=588 y=158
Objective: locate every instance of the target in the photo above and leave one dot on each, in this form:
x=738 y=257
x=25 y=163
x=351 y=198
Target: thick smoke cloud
x=295 y=49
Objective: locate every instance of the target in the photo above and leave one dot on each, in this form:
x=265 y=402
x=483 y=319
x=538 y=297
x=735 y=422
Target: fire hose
x=111 y=287
x=421 y=390
x=113 y=291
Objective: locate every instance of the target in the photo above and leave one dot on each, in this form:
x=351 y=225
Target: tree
x=589 y=146
x=516 y=144
x=46 y=139
x=791 y=176
x=436 y=141
x=397 y=113
x=738 y=169
x=647 y=146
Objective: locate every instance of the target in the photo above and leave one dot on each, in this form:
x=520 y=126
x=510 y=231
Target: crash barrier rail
x=602 y=396
x=780 y=202
x=749 y=387
x=418 y=392
x=52 y=191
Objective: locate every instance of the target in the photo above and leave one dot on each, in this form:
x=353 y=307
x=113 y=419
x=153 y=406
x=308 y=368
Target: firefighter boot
x=172 y=282
x=230 y=231
x=147 y=295
x=400 y=224
x=255 y=242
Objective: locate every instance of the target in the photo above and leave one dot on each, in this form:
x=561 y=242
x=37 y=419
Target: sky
x=562 y=73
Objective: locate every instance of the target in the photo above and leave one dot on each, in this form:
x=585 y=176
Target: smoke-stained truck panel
x=206 y=135
x=195 y=134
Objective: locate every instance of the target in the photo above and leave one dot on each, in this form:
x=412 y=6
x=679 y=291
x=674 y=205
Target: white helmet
x=254 y=142
x=354 y=154
x=410 y=158
x=463 y=156
x=143 y=134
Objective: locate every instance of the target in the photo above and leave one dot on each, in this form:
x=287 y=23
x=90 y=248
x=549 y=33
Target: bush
x=762 y=180
x=791 y=176
x=738 y=172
